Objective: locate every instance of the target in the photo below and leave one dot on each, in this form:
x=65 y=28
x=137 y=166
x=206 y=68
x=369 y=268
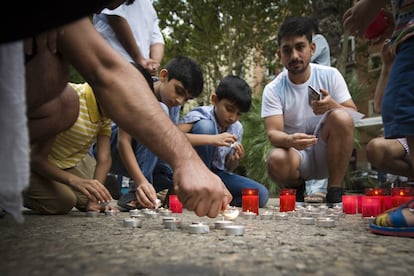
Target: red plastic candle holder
x=400 y=195
x=349 y=204
x=377 y=27
x=175 y=205
x=371 y=206
x=377 y=192
x=287 y=199
x=250 y=200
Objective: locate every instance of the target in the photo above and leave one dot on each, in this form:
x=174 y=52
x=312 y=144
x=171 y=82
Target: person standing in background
x=133 y=31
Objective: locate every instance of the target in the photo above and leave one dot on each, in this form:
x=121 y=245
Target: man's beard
x=297 y=71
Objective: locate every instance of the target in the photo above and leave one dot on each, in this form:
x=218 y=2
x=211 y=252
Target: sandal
x=393 y=222
x=315 y=198
x=125 y=200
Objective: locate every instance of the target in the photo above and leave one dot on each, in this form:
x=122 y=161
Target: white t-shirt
x=143 y=20
x=281 y=96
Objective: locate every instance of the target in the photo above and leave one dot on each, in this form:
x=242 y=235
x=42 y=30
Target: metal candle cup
x=134 y=212
x=250 y=200
x=220 y=224
x=307 y=220
x=198 y=228
x=92 y=213
x=249 y=215
x=266 y=215
x=235 y=230
x=172 y=224
x=281 y=216
x=325 y=222
x=132 y=222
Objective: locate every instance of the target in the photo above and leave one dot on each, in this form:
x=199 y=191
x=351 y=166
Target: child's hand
x=237 y=152
x=224 y=139
x=146 y=195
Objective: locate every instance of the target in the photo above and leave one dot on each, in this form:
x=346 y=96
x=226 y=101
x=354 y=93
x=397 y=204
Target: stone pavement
x=75 y=244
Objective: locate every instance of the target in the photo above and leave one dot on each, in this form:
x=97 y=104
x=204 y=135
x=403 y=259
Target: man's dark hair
x=188 y=72
x=236 y=90
x=295 y=26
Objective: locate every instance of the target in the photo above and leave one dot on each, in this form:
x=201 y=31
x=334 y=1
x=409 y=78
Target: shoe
x=125 y=199
x=334 y=197
x=316 y=198
x=393 y=223
x=300 y=193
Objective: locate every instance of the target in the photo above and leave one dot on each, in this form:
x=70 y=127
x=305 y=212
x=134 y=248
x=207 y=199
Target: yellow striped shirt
x=71 y=146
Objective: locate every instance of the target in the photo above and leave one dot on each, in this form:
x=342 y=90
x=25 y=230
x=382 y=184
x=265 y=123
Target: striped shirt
x=71 y=146
x=404 y=20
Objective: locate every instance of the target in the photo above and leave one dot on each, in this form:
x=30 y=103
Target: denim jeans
x=234 y=182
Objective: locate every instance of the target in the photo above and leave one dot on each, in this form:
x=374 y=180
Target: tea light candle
x=220 y=224
x=92 y=213
x=164 y=219
x=172 y=224
x=368 y=220
x=266 y=215
x=250 y=200
x=164 y=212
x=175 y=205
x=198 y=228
x=134 y=212
x=132 y=222
x=249 y=215
x=151 y=214
x=281 y=216
x=287 y=200
x=325 y=222
x=349 y=204
x=234 y=230
x=110 y=212
x=307 y=220
x=231 y=213
x=137 y=216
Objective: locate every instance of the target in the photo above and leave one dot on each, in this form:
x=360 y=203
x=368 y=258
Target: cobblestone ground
x=75 y=244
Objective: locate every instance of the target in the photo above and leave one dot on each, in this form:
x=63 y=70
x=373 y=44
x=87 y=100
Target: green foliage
x=257 y=146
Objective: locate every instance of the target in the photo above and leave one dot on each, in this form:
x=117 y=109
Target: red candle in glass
x=387 y=202
x=400 y=195
x=360 y=203
x=287 y=199
x=250 y=200
x=371 y=206
x=175 y=205
x=349 y=204
x=379 y=193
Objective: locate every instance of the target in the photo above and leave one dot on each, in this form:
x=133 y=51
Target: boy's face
x=172 y=92
x=227 y=113
x=295 y=53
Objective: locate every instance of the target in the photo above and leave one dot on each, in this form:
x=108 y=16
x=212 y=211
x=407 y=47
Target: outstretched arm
x=124 y=94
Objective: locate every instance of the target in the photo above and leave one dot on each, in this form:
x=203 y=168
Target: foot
x=407 y=212
x=316 y=198
x=334 y=196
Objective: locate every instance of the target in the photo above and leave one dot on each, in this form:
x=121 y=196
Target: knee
x=263 y=197
x=342 y=118
x=204 y=127
x=375 y=149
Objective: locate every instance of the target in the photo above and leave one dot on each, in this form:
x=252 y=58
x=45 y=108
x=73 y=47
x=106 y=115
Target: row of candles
x=372 y=203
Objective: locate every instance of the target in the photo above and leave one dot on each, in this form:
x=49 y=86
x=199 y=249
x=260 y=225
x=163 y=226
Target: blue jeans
x=234 y=182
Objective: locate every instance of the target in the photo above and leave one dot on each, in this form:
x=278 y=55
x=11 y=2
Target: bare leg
x=283 y=167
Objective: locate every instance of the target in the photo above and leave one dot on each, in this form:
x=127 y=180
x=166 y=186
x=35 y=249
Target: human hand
x=146 y=195
x=199 y=189
x=301 y=141
x=387 y=53
x=150 y=65
x=322 y=106
x=45 y=40
x=357 y=18
x=224 y=139
x=237 y=153
x=93 y=189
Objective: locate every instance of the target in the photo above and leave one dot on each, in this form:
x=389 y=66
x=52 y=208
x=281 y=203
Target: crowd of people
x=64 y=139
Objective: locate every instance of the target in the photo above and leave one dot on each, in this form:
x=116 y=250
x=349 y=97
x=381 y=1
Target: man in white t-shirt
x=312 y=139
x=133 y=30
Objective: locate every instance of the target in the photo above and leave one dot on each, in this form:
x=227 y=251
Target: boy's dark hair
x=188 y=72
x=314 y=24
x=146 y=75
x=295 y=26
x=236 y=90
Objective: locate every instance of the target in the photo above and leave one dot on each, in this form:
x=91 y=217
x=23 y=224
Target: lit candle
x=287 y=200
x=250 y=200
x=175 y=205
x=360 y=203
x=349 y=204
x=400 y=195
x=371 y=206
x=379 y=193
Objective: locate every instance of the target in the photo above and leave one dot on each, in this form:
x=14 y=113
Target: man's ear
x=313 y=47
x=163 y=75
x=278 y=54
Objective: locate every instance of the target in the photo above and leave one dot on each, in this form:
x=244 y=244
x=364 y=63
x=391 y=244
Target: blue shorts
x=398 y=101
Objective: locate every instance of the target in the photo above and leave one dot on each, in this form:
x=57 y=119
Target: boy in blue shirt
x=216 y=133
